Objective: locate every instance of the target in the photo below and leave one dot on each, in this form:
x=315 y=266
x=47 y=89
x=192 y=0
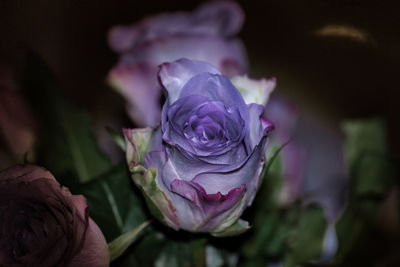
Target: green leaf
x=115 y=204
x=144 y=251
x=364 y=136
x=66 y=145
x=198 y=248
x=306 y=241
x=121 y=243
x=371 y=175
x=370 y=170
x=272 y=223
x=175 y=254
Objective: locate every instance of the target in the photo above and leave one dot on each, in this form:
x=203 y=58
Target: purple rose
x=207 y=34
x=43 y=224
x=201 y=167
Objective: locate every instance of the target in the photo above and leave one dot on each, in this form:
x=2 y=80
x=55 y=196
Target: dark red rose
x=43 y=224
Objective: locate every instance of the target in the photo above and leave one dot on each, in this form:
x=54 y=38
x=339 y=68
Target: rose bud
x=43 y=224
x=206 y=34
x=201 y=167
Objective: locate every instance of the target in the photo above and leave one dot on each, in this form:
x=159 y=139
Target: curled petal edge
x=173 y=76
x=159 y=203
x=138 y=142
x=219 y=211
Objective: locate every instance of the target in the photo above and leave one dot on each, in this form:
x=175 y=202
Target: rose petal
x=181 y=165
x=95 y=250
x=201 y=211
x=214 y=182
x=259 y=126
x=175 y=75
x=215 y=88
x=218 y=88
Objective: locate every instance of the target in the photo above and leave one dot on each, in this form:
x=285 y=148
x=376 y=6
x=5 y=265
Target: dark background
x=332 y=77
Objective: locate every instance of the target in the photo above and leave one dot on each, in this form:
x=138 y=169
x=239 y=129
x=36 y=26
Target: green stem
x=198 y=247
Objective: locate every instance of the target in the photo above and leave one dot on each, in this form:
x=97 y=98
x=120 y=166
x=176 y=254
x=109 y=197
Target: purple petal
x=249 y=171
x=229 y=56
x=203 y=128
x=137 y=83
x=175 y=75
x=258 y=125
x=206 y=210
x=215 y=88
x=220 y=18
x=218 y=88
x=178 y=115
x=182 y=166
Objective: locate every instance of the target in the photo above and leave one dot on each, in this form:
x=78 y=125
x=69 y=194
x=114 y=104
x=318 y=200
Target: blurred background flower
x=206 y=34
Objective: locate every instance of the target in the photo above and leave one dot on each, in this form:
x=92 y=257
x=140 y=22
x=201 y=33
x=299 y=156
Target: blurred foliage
x=290 y=234
x=65 y=144
x=66 y=147
x=371 y=175
x=114 y=203
x=118 y=246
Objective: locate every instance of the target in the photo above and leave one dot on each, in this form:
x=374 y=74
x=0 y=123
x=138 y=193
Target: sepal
x=159 y=203
x=239 y=227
